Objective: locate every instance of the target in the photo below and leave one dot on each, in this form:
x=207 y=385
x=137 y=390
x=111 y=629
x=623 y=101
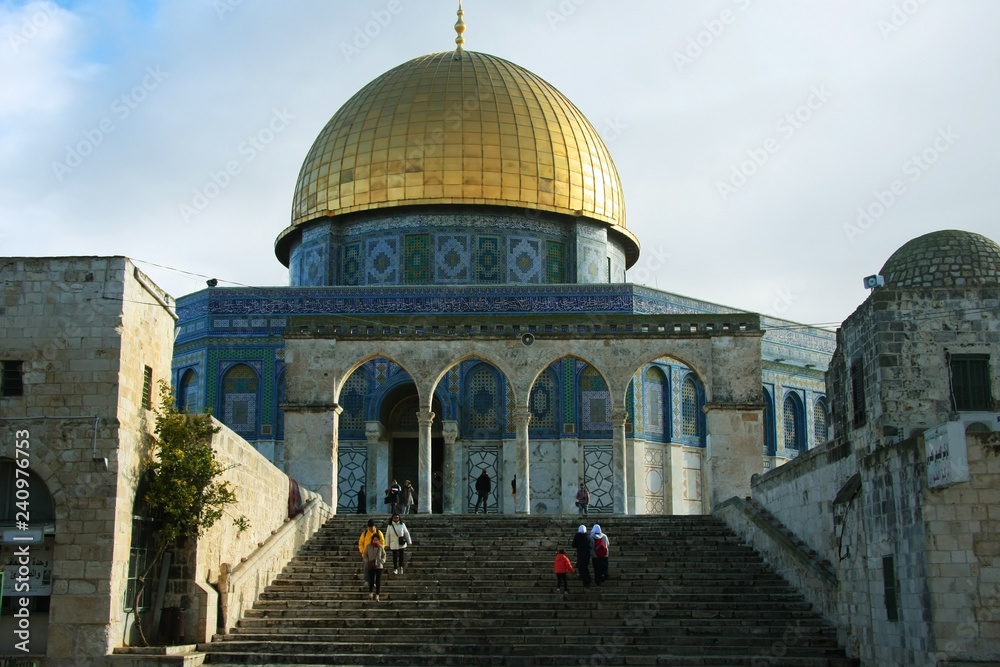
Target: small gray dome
x=949 y=258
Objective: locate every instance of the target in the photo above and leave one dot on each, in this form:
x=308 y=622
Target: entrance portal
x=404 y=464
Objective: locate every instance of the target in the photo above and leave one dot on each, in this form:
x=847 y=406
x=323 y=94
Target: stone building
x=458 y=301
x=898 y=512
x=83 y=344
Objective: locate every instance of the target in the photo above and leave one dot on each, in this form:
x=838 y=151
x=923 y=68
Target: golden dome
x=459 y=127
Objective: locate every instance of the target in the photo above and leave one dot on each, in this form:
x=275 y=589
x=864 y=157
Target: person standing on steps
x=392 y=497
x=563 y=567
x=399 y=538
x=583 y=499
x=483 y=487
x=362 y=500
x=370 y=533
x=374 y=555
x=599 y=548
x=581 y=542
x=408 y=497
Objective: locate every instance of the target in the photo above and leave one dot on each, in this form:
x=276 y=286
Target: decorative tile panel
x=555 y=262
x=452 y=258
x=490 y=264
x=599 y=475
x=655 y=488
x=525 y=260
x=382 y=261
x=352 y=472
x=353 y=265
x=417 y=264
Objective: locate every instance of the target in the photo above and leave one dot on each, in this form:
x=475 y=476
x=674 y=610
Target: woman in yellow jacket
x=365 y=540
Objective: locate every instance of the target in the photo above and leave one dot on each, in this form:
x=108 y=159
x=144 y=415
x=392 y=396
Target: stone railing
x=788 y=555
x=241 y=584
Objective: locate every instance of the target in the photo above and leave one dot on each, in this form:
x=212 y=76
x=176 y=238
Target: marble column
x=619 y=493
x=376 y=475
x=522 y=503
x=424 y=420
x=449 y=430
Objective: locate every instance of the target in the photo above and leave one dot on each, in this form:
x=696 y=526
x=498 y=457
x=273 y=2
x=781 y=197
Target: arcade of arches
x=652 y=420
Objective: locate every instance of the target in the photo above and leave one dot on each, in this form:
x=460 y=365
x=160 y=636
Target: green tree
x=184 y=490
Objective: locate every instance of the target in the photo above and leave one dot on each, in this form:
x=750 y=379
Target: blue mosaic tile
x=452 y=258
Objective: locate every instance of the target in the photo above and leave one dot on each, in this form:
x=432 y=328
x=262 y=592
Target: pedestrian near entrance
x=398 y=539
x=563 y=567
x=600 y=547
x=483 y=487
x=374 y=556
x=583 y=499
x=362 y=500
x=409 y=496
x=392 y=497
x=370 y=534
x=581 y=542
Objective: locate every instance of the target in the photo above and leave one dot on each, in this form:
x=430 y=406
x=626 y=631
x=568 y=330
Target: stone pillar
x=735 y=450
x=424 y=420
x=522 y=503
x=378 y=442
x=619 y=493
x=311 y=448
x=449 y=430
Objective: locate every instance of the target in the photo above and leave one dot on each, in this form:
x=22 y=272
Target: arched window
x=691 y=407
x=187 y=392
x=792 y=420
x=595 y=403
x=655 y=421
x=770 y=430
x=543 y=402
x=240 y=388
x=483 y=402
x=36 y=497
x=352 y=400
x=820 y=430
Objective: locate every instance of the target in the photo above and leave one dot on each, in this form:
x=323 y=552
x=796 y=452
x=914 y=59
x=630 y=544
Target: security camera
x=527 y=339
x=871 y=282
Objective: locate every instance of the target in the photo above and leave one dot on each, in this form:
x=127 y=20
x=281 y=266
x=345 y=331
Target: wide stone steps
x=480 y=591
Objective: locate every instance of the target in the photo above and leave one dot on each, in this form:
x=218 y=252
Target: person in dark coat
x=581 y=542
x=362 y=500
x=392 y=497
x=483 y=487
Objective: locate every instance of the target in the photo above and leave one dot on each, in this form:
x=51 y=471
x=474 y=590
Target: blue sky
x=772 y=153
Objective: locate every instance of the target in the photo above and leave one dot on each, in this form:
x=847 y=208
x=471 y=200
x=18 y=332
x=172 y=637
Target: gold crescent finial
x=460 y=28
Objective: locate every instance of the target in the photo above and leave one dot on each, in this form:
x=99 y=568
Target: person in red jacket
x=563 y=567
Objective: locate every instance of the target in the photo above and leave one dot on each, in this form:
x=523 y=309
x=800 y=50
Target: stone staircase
x=480 y=590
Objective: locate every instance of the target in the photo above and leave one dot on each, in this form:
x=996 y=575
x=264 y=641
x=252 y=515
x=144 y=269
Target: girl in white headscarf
x=599 y=549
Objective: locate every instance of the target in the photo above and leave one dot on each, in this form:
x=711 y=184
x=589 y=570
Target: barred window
x=147 y=388
x=820 y=428
x=970 y=382
x=12 y=378
x=689 y=407
x=792 y=421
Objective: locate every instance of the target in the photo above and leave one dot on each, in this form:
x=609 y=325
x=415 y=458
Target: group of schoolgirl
x=593 y=547
x=372 y=544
